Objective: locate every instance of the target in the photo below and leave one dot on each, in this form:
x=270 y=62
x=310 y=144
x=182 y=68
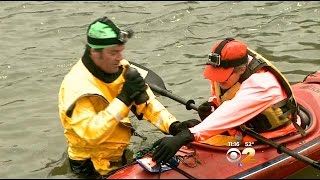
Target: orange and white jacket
x=260 y=91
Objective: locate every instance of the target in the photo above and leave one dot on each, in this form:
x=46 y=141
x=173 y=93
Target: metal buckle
x=123 y=36
x=214 y=59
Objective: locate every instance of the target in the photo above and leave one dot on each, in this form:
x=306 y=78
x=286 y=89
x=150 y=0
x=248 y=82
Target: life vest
x=274 y=117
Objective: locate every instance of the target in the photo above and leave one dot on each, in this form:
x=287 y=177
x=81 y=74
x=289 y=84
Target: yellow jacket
x=96 y=123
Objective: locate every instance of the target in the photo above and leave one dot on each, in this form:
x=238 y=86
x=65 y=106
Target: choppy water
x=40 y=41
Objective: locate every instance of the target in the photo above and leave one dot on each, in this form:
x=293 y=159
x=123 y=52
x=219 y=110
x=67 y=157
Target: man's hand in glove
x=134 y=88
x=178 y=126
x=205 y=109
x=167 y=147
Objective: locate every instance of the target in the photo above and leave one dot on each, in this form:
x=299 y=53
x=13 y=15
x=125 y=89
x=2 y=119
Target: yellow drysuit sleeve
x=94 y=122
x=154 y=112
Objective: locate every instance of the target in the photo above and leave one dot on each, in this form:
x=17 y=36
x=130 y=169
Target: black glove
x=134 y=88
x=167 y=147
x=204 y=109
x=178 y=126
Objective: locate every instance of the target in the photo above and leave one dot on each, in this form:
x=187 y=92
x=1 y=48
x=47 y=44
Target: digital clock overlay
x=234 y=154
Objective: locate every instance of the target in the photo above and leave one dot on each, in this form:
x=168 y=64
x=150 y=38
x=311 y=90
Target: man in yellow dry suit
x=247 y=90
x=96 y=97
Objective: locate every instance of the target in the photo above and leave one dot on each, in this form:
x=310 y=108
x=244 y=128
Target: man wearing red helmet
x=247 y=90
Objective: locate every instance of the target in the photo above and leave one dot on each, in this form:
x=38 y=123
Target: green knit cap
x=104 y=33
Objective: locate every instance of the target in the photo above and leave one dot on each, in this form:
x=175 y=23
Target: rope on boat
x=189 y=155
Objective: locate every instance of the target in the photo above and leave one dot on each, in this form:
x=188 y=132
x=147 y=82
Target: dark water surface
x=40 y=41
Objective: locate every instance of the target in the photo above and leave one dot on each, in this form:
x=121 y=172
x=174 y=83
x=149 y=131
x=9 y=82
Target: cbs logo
x=234 y=155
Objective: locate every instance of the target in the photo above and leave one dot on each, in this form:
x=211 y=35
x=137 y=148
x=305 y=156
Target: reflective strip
x=157 y=106
x=159 y=122
x=117 y=116
x=118 y=109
